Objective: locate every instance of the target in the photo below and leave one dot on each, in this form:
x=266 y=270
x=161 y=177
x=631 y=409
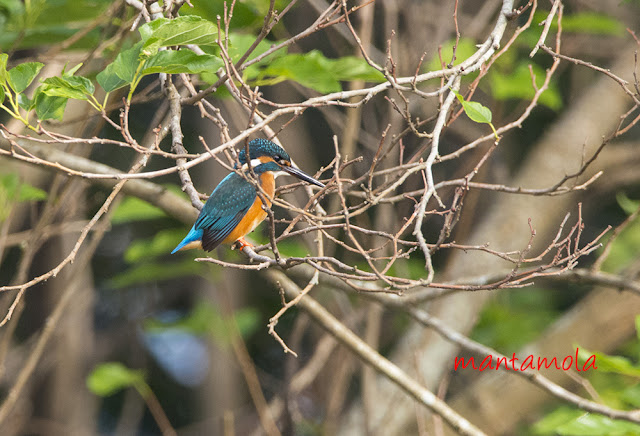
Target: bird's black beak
x=302 y=176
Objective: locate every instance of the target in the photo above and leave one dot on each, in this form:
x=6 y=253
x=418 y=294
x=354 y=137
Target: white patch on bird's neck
x=254 y=163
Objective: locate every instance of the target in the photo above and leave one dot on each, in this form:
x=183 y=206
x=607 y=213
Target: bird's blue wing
x=224 y=210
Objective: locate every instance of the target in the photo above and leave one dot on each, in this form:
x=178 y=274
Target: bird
x=234 y=208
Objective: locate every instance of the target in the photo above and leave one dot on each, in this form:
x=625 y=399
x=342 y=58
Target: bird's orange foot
x=240 y=244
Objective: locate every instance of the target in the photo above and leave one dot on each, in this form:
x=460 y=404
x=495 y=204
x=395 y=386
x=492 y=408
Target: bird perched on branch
x=234 y=208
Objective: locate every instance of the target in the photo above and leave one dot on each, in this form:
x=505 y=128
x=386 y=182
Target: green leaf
x=109 y=80
x=466 y=48
x=153 y=272
x=31 y=193
x=613 y=364
x=189 y=29
x=135 y=209
x=147 y=29
x=161 y=244
x=585 y=23
x=48 y=106
x=247 y=320
x=312 y=69
x=12 y=8
x=589 y=424
x=477 y=112
x=25 y=102
x=4 y=58
x=246 y=14
x=560 y=416
x=127 y=62
x=517 y=84
x=181 y=61
x=9 y=186
x=2 y=94
x=21 y=76
x=474 y=110
x=291 y=248
x=307 y=69
x=631 y=396
x=239 y=43
x=353 y=68
x=46 y=22
x=72 y=71
x=624 y=249
x=591 y=23
x=76 y=87
x=566 y=421
x=205 y=318
x=122 y=70
x=110 y=377
x=315 y=71
x=507 y=322
x=627 y=204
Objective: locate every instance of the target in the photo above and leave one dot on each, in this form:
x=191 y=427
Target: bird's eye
x=277 y=158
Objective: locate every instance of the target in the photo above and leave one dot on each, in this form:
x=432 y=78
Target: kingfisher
x=234 y=208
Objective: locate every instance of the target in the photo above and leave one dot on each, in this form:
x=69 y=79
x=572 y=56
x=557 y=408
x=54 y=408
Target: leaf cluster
x=618 y=380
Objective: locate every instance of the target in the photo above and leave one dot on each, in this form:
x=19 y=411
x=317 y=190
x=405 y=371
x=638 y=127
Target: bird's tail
x=192 y=240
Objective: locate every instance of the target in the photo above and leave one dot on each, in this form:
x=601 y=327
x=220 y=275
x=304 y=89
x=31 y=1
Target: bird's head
x=267 y=156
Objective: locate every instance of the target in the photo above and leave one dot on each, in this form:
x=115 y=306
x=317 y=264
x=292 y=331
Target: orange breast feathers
x=255 y=215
